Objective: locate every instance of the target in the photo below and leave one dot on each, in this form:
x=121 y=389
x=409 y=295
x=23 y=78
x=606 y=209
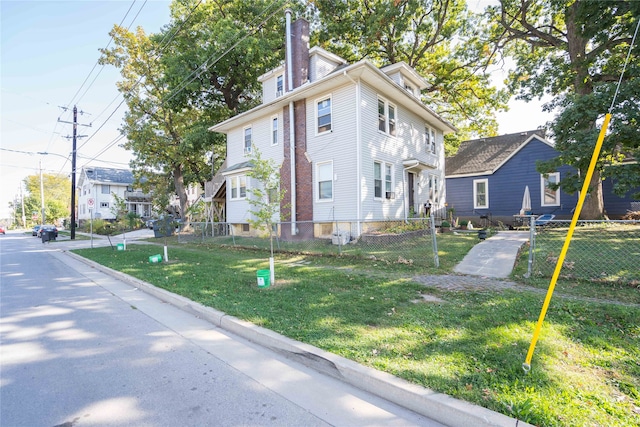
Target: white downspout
x=292 y=131
x=292 y=161
x=358 y=155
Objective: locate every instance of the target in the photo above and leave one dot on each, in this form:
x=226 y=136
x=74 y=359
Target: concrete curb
x=437 y=406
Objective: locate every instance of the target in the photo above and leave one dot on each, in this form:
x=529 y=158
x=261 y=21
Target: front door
x=410 y=194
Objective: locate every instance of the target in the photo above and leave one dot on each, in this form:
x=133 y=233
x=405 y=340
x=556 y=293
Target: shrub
x=445 y=224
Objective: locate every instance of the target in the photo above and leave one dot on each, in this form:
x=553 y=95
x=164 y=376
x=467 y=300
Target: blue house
x=487 y=179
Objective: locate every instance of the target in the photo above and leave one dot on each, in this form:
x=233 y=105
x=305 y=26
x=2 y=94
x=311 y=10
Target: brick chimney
x=300 y=197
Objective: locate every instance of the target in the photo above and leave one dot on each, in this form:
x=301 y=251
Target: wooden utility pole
x=73 y=169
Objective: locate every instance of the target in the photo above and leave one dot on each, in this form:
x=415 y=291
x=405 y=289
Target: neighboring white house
x=96 y=188
x=365 y=147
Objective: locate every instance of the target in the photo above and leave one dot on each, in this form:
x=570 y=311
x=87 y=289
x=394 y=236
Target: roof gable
x=486 y=155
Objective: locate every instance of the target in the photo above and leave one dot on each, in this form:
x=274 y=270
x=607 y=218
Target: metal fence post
x=532 y=245
x=432 y=223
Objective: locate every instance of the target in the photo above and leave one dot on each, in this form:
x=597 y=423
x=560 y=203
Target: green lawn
x=585 y=370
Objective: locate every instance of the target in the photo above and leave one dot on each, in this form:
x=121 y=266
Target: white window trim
x=386 y=117
x=236 y=180
x=475 y=194
x=317 y=182
x=275 y=142
x=315 y=107
x=428 y=143
x=383 y=178
x=246 y=150
x=543 y=187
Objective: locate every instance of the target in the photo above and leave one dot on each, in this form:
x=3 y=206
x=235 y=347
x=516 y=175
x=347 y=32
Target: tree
x=442 y=40
x=265 y=198
x=172 y=141
x=575 y=51
x=57 y=196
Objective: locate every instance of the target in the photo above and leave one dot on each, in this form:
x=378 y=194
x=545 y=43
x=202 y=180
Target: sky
x=48 y=59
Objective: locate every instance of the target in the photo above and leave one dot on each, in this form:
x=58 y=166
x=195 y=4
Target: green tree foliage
x=57 y=197
x=200 y=69
x=575 y=51
x=442 y=40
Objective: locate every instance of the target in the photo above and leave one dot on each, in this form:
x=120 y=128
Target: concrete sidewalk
x=495 y=256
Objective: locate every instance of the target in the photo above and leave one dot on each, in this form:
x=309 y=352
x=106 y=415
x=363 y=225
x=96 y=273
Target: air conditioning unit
x=390 y=195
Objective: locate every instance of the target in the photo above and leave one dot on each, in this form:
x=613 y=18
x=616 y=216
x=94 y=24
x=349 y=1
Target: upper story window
x=274 y=130
x=248 y=140
x=480 y=193
x=550 y=197
x=324 y=178
x=382 y=180
x=279 y=85
x=323 y=112
x=238 y=185
x=386 y=117
x=430 y=139
x=106 y=189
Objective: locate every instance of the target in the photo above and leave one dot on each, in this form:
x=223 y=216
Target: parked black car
x=49 y=228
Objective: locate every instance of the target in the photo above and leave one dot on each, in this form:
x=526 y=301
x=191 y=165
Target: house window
x=550 y=197
x=248 y=140
x=279 y=85
x=382 y=117
x=324 y=174
x=106 y=189
x=430 y=139
x=274 y=131
x=386 y=117
x=238 y=185
x=104 y=204
x=434 y=189
x=383 y=180
x=480 y=194
x=324 y=115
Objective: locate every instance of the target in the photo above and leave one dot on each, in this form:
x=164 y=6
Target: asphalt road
x=80 y=348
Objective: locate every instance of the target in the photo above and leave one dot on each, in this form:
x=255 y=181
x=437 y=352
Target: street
x=79 y=347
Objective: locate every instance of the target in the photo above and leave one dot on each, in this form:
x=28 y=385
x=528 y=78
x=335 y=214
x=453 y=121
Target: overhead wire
x=164 y=44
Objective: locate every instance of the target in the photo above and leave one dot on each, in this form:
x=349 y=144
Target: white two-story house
x=96 y=189
x=355 y=143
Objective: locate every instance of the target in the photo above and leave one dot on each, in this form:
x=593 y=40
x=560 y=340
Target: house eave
x=362 y=70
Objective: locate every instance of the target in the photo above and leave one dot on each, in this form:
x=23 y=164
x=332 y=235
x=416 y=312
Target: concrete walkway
x=494 y=257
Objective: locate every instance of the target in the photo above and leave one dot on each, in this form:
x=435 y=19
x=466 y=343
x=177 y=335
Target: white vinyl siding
x=480 y=193
x=550 y=197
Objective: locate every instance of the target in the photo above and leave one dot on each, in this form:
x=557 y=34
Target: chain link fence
x=411 y=242
x=601 y=251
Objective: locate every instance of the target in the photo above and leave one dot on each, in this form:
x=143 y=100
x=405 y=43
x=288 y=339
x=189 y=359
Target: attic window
x=279 y=85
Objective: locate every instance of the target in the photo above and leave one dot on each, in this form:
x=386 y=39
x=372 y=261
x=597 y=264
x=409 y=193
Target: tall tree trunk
x=593 y=207
x=181 y=191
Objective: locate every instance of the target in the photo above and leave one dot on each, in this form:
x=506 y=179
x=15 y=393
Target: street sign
x=90 y=203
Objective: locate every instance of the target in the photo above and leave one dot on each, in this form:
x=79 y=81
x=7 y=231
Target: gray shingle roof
x=487 y=154
x=108 y=175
